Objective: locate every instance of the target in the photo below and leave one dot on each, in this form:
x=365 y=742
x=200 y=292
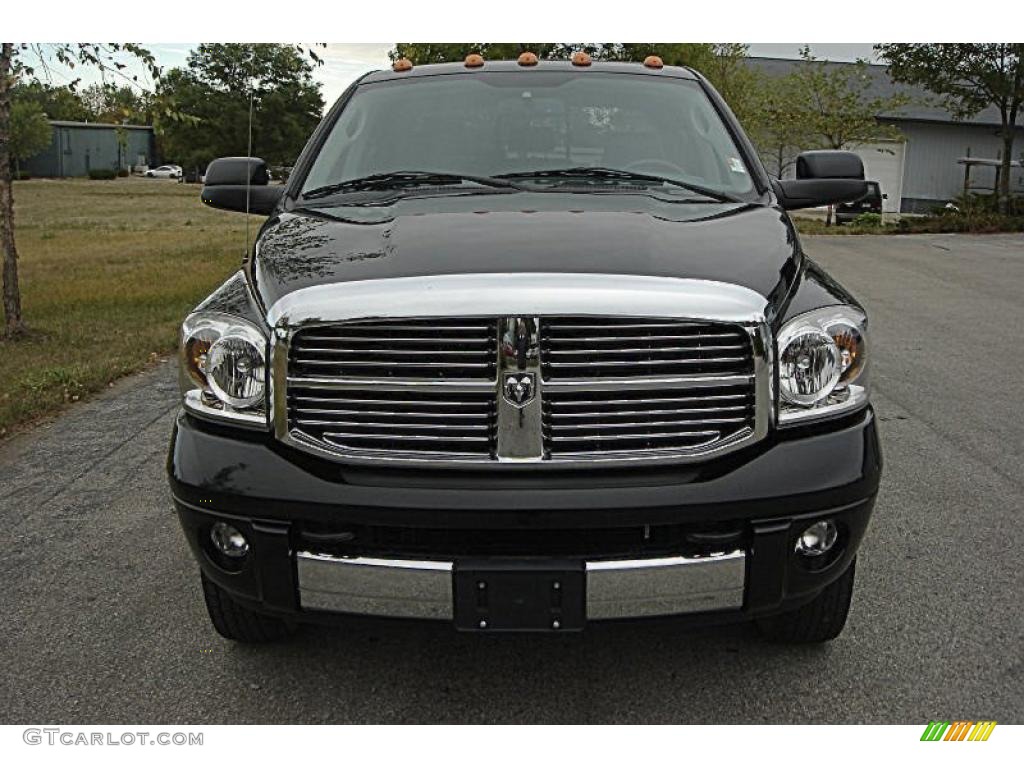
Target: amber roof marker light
x=474 y=60
x=402 y=65
x=581 y=59
x=527 y=59
x=654 y=62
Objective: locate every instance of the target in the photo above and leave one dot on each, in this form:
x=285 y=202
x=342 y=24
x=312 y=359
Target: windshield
x=513 y=123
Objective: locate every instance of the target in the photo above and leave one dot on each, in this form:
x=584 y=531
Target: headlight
x=822 y=364
x=223 y=361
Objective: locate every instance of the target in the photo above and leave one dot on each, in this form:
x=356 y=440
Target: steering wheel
x=655 y=168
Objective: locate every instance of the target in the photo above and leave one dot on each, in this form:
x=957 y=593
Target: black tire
x=818 y=621
x=235 y=622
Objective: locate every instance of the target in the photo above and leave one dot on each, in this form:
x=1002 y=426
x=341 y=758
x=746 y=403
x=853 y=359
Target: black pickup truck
x=520 y=346
x=870 y=203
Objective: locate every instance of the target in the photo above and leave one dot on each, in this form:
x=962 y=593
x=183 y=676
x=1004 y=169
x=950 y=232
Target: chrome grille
x=589 y=348
x=445 y=349
x=608 y=389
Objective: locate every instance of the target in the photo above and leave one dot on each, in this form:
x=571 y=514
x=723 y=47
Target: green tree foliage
x=56 y=102
x=111 y=103
x=836 y=104
x=968 y=77
x=779 y=131
x=30 y=132
x=214 y=91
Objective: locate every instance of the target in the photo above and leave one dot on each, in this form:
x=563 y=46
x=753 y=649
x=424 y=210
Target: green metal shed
x=76 y=148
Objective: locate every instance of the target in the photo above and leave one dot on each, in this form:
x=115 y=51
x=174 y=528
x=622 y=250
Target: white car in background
x=164 y=172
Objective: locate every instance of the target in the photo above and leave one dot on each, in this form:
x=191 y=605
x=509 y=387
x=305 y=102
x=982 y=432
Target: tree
x=56 y=102
x=836 y=104
x=30 y=132
x=110 y=103
x=13 y=66
x=779 y=131
x=968 y=77
x=215 y=88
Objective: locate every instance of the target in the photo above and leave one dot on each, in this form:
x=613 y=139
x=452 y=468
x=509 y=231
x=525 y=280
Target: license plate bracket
x=519 y=595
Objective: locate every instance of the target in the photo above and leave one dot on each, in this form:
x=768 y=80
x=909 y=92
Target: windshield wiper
x=393 y=179
x=597 y=172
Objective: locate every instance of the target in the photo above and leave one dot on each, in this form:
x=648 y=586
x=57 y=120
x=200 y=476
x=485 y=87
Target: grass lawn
x=108 y=271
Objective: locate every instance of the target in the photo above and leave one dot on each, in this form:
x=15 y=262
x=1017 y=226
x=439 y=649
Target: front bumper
x=711 y=541
x=614 y=588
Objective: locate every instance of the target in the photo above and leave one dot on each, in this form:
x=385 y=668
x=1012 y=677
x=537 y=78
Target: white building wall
x=931 y=174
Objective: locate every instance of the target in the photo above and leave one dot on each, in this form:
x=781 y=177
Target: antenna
x=248 y=154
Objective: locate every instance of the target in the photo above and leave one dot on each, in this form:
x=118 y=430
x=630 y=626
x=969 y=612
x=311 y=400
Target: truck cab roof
x=459 y=68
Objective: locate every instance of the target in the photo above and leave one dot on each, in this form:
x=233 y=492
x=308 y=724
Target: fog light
x=817 y=539
x=229 y=540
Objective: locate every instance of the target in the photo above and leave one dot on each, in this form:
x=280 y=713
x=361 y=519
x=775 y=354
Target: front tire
x=818 y=621
x=236 y=622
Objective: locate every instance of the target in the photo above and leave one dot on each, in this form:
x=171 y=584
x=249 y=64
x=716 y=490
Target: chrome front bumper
x=614 y=588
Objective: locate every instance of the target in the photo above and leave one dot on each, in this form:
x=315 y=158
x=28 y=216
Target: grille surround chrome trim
x=523 y=295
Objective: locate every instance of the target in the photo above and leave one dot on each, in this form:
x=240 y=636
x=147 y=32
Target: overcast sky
x=344 y=62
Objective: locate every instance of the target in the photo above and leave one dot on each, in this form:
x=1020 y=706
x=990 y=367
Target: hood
x=628 y=234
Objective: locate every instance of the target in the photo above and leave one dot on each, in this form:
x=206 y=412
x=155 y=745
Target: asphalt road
x=103 y=619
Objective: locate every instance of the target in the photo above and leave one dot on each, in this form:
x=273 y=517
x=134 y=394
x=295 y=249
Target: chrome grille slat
x=432 y=325
x=647 y=362
x=393 y=414
x=657 y=337
x=627 y=325
x=374 y=401
x=415 y=438
x=342 y=351
x=642 y=400
x=646 y=350
x=398 y=426
x=435 y=340
x=653 y=412
x=646 y=435
x=599 y=427
x=388 y=363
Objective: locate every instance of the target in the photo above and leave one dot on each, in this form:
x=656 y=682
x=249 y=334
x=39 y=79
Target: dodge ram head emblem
x=519 y=388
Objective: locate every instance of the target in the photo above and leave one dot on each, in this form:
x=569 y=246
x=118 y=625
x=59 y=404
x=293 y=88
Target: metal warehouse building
x=921 y=171
x=77 y=148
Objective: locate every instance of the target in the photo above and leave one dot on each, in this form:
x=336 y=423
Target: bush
x=122 y=173
x=949 y=222
x=102 y=174
x=22 y=176
x=868 y=220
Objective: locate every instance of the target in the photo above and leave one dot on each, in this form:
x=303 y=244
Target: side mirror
x=822 y=178
x=240 y=184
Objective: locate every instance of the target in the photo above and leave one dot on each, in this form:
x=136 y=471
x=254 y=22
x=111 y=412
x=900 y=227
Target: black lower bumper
x=755 y=502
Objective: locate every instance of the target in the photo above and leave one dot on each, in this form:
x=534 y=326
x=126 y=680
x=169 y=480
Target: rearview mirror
x=823 y=177
x=240 y=184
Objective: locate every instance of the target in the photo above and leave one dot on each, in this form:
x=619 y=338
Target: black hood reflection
x=627 y=234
